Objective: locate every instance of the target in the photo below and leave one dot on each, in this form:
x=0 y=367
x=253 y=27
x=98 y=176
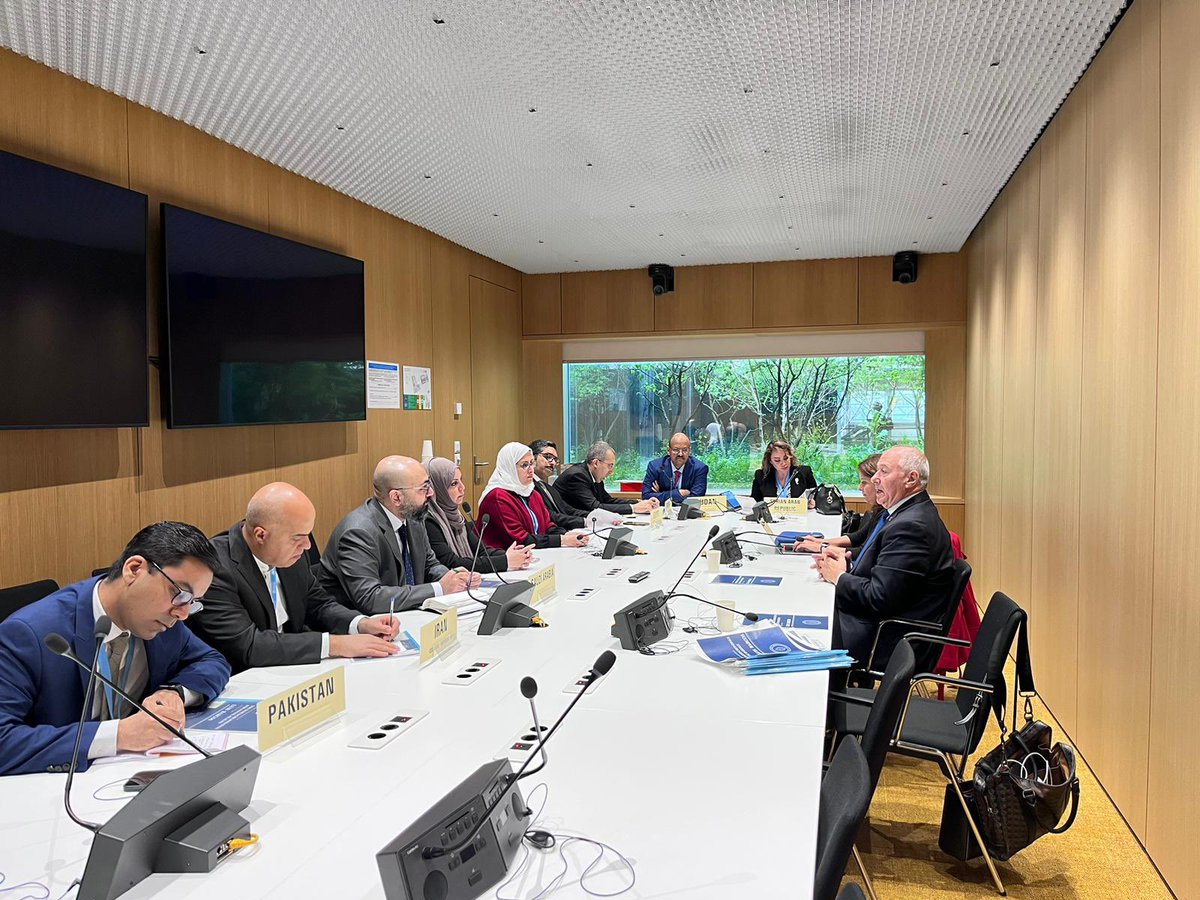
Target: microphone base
x=203 y=842
x=643 y=622
x=507 y=609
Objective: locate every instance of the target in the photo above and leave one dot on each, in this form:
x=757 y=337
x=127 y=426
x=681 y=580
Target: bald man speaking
x=265 y=608
x=378 y=557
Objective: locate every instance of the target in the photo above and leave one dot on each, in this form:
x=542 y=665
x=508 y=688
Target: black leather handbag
x=828 y=500
x=1022 y=788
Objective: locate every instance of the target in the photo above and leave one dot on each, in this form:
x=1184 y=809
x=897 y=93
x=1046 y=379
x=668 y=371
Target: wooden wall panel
x=541 y=304
x=994 y=234
x=542 y=392
x=497 y=395
x=976 y=259
x=1020 y=351
x=606 y=302
x=1173 y=794
x=938 y=294
x=109 y=482
x=806 y=292
x=1120 y=349
x=945 y=389
x=706 y=298
x=1054 y=566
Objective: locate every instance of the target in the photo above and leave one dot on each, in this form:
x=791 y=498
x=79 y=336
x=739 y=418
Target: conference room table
x=706 y=780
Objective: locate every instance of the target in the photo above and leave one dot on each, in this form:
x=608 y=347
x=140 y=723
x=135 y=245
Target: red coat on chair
x=966 y=621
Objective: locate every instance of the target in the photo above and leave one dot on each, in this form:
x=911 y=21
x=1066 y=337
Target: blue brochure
x=791 y=621
x=742 y=645
x=225 y=715
x=755 y=580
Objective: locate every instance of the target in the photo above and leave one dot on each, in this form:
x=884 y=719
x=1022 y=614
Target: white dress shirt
x=281 y=612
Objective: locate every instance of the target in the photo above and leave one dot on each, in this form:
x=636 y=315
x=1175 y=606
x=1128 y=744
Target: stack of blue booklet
x=771 y=649
x=800 y=661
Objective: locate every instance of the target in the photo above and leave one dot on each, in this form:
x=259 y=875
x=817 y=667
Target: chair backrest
x=13 y=598
x=885 y=710
x=986 y=662
x=312 y=554
x=101 y=571
x=845 y=797
x=927 y=653
x=851 y=892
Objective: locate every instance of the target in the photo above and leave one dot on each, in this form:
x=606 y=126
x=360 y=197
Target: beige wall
x=1084 y=415
x=70 y=499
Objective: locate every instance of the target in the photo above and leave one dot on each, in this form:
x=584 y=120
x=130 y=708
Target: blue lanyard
x=106 y=671
x=532 y=514
x=781 y=486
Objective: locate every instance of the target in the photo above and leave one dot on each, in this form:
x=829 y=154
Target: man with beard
x=374 y=561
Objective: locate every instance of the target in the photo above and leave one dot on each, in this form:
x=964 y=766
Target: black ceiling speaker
x=662 y=279
x=904 y=267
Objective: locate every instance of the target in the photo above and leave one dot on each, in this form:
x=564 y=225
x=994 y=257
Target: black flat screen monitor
x=73 y=339
x=258 y=329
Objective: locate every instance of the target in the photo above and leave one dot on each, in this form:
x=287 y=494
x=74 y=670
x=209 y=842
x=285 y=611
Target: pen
x=392 y=610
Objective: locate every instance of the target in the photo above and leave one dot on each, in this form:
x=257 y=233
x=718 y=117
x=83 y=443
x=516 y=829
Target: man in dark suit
x=905 y=567
x=677 y=475
x=545 y=464
x=375 y=561
x=265 y=608
x=582 y=485
x=155 y=584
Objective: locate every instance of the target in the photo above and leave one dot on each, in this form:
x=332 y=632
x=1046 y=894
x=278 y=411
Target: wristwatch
x=177 y=688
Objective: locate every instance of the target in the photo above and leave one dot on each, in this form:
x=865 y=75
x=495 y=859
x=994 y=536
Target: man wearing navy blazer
x=904 y=569
x=265 y=608
x=677 y=475
x=150 y=589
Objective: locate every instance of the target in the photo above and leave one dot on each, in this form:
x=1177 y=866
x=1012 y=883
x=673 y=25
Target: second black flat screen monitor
x=259 y=329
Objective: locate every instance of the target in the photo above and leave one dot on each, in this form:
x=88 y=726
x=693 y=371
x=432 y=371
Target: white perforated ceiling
x=557 y=136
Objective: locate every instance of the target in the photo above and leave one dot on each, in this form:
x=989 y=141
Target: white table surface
x=705 y=779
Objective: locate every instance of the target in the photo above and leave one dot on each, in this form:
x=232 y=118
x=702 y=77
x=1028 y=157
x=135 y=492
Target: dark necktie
x=883 y=517
x=405 y=555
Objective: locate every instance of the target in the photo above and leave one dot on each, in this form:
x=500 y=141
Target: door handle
x=478 y=464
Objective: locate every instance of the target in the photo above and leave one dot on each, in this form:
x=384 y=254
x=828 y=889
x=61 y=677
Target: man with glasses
x=677 y=475
x=582 y=485
x=157 y=582
x=545 y=465
x=378 y=559
x=265 y=607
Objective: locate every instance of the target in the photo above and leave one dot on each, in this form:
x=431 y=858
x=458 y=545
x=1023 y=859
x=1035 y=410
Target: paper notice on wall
x=383 y=385
x=418 y=388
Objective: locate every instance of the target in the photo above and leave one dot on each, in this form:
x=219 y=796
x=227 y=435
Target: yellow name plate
x=790 y=506
x=439 y=635
x=301 y=707
x=656 y=516
x=709 y=505
x=544 y=585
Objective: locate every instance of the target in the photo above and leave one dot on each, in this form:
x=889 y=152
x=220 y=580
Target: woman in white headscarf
x=516 y=511
x=451 y=541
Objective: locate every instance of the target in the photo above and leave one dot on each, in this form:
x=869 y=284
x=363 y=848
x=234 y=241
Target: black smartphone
x=143 y=779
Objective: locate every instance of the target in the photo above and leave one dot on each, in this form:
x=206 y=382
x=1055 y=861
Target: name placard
x=710 y=505
x=544 y=585
x=301 y=707
x=790 y=506
x=439 y=635
x=656 y=516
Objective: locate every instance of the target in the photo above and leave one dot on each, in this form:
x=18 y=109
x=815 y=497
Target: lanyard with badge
x=532 y=514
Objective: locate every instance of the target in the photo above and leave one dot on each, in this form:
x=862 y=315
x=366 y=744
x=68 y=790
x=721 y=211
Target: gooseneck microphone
x=529 y=690
x=103 y=626
x=600 y=668
x=483 y=524
x=752 y=617
x=56 y=643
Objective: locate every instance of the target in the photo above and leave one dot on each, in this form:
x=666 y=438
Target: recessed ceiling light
x=576 y=260
x=914 y=243
x=929 y=217
x=200 y=50
x=683 y=254
x=966 y=134
x=541 y=242
x=437 y=21
x=789 y=228
x=747 y=90
x=944 y=183
x=589 y=165
x=427 y=177
x=533 y=109
x=660 y=234
x=993 y=64
x=631 y=206
x=340 y=127
x=781 y=196
x=495 y=215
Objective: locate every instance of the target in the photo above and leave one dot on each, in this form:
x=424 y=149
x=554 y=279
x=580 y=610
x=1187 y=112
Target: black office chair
x=13 y=598
x=927 y=654
x=883 y=713
x=101 y=571
x=312 y=554
x=845 y=797
x=937 y=730
x=851 y=892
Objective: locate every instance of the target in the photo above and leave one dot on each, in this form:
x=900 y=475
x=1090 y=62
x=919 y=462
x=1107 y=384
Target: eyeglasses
x=425 y=487
x=525 y=466
x=550 y=458
x=182 y=597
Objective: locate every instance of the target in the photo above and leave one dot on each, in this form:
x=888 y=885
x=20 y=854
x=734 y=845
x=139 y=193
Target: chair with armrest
x=14 y=598
x=883 y=714
x=845 y=798
x=938 y=730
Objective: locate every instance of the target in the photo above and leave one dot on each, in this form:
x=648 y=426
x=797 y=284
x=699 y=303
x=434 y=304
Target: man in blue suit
x=677 y=475
x=153 y=587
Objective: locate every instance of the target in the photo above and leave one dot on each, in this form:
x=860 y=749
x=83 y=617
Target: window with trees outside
x=834 y=410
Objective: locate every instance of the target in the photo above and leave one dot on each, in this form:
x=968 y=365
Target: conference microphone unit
x=529 y=690
x=731 y=551
x=185 y=821
x=761 y=512
x=648 y=619
x=463 y=845
x=56 y=643
x=103 y=626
